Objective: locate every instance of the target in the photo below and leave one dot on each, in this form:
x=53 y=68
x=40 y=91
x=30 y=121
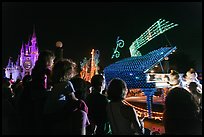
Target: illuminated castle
x=26 y=60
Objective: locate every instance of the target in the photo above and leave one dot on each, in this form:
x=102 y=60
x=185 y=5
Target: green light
x=156 y=29
x=120 y=44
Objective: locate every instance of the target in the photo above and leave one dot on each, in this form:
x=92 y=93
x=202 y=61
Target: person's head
x=6 y=83
x=63 y=70
x=192 y=70
x=46 y=58
x=26 y=80
x=174 y=73
x=181 y=113
x=193 y=87
x=117 y=89
x=174 y=78
x=180 y=103
x=98 y=82
x=80 y=87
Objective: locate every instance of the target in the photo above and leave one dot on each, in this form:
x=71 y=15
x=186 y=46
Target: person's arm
x=84 y=123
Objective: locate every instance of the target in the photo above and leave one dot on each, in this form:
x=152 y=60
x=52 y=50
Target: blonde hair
x=63 y=70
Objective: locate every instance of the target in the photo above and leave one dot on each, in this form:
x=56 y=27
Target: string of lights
x=144 y=112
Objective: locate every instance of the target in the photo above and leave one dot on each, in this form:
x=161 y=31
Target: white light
x=152 y=71
x=166 y=58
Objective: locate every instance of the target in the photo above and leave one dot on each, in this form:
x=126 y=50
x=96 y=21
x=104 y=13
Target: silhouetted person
x=97 y=103
x=9 y=115
x=123 y=118
x=174 y=79
x=192 y=76
x=181 y=113
x=42 y=71
x=80 y=87
x=24 y=107
x=39 y=87
x=63 y=115
x=197 y=95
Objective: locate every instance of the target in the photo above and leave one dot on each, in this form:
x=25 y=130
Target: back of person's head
x=26 y=80
x=45 y=58
x=174 y=78
x=117 y=89
x=80 y=87
x=192 y=70
x=174 y=73
x=5 y=82
x=97 y=81
x=193 y=87
x=63 y=70
x=180 y=103
x=181 y=114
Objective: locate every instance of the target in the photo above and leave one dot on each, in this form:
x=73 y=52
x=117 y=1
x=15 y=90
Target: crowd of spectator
x=54 y=100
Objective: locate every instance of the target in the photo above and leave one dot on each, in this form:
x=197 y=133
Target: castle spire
x=10 y=62
x=34 y=35
x=33 y=39
x=18 y=61
x=22 y=48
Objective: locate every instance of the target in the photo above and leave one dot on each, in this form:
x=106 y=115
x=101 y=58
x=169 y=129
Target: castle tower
x=29 y=54
x=26 y=60
x=34 y=40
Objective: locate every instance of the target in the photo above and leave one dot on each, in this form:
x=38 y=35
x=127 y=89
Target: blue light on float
x=132 y=70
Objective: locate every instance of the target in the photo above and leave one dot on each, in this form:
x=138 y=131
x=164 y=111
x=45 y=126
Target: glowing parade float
x=89 y=67
x=136 y=70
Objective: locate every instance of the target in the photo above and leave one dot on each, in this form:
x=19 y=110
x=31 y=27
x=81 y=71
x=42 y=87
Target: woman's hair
x=44 y=57
x=180 y=103
x=63 y=70
x=181 y=113
x=116 y=89
x=41 y=68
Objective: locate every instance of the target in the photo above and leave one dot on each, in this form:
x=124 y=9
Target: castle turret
x=18 y=61
x=33 y=40
x=10 y=63
x=22 y=48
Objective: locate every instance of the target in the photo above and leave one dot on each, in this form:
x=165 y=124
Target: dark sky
x=83 y=26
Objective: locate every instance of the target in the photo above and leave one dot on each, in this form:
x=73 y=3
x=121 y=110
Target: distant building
x=25 y=61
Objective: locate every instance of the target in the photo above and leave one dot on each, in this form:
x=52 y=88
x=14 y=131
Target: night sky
x=83 y=26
